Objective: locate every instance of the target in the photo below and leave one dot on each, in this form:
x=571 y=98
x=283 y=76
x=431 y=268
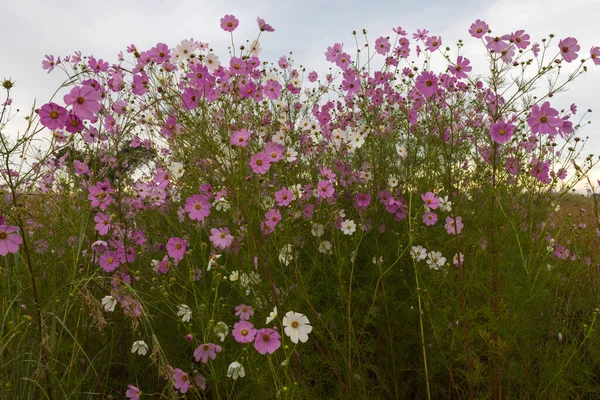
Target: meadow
x=174 y=225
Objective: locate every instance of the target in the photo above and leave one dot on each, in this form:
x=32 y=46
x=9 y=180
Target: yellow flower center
x=294 y=324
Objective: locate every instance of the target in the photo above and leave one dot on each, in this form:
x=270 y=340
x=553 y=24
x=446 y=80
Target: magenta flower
x=85 y=101
x=267 y=341
x=229 y=23
x=9 y=239
x=102 y=223
x=382 y=45
x=461 y=68
x=176 y=248
x=244 y=312
x=240 y=138
x=260 y=163
x=53 y=116
x=501 y=131
x=182 y=380
x=520 y=39
x=363 y=200
x=200 y=381
x=430 y=218
x=73 y=124
x=49 y=63
x=451 y=227
x=273 y=216
x=284 y=196
x=198 y=207
x=133 y=393
x=497 y=44
x=263 y=26
x=433 y=43
x=427 y=83
x=478 y=29
x=569 y=48
x=206 y=351
x=109 y=261
x=100 y=194
x=595 y=54
x=243 y=332
x=430 y=200
x=544 y=119
x=325 y=189
x=272 y=89
x=221 y=237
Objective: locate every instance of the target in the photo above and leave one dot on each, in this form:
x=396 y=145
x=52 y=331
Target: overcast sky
x=29 y=29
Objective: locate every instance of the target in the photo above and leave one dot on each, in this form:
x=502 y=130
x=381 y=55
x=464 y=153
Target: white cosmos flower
x=325 y=247
x=286 y=254
x=317 y=230
x=234 y=276
x=109 y=303
x=221 y=330
x=140 y=347
x=435 y=260
x=418 y=253
x=272 y=315
x=212 y=62
x=297 y=326
x=184 y=312
x=348 y=227
x=236 y=370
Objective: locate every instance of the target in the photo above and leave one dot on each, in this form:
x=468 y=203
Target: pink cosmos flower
x=461 y=68
x=49 y=63
x=363 y=200
x=198 y=207
x=430 y=200
x=427 y=83
x=260 y=163
x=595 y=54
x=109 y=261
x=451 y=227
x=544 y=119
x=382 y=45
x=267 y=341
x=569 y=48
x=73 y=124
x=133 y=393
x=244 y=312
x=9 y=239
x=520 y=39
x=176 y=248
x=229 y=23
x=102 y=223
x=221 y=237
x=284 y=196
x=240 y=138
x=85 y=101
x=497 y=44
x=53 y=116
x=478 y=29
x=182 y=380
x=200 y=381
x=273 y=216
x=263 y=26
x=420 y=34
x=501 y=131
x=206 y=351
x=243 y=332
x=100 y=194
x=430 y=218
x=325 y=189
x=433 y=43
x=272 y=89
